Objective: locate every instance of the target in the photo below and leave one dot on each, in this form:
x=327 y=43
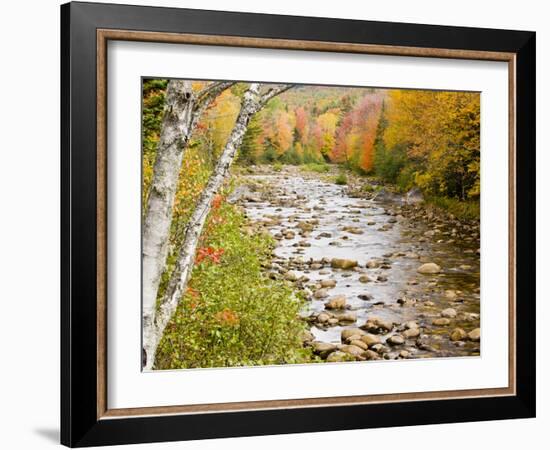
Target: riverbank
x=383 y=275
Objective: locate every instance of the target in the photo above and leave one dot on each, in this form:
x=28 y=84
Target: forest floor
x=385 y=275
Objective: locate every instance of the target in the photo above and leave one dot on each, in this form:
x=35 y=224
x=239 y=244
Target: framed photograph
x=276 y=224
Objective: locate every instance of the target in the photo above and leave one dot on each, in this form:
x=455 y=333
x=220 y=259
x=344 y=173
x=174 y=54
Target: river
x=315 y=221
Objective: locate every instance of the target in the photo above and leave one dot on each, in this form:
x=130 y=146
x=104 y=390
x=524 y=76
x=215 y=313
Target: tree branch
x=273 y=92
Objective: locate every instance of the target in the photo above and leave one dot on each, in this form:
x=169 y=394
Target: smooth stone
x=442 y=321
x=291 y=276
x=338 y=302
x=373 y=264
x=458 y=334
x=323 y=348
x=340 y=263
x=396 y=339
x=328 y=283
x=371 y=355
x=411 y=333
x=377 y=325
x=429 y=268
x=370 y=339
x=320 y=293
x=359 y=344
x=364 y=279
x=352 y=350
x=450 y=294
x=475 y=335
x=307 y=336
x=346 y=333
x=323 y=317
x=450 y=313
x=347 y=317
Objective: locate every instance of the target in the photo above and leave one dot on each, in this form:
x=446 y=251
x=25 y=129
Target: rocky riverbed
x=385 y=277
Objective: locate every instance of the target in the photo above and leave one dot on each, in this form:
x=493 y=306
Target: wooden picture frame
x=86 y=419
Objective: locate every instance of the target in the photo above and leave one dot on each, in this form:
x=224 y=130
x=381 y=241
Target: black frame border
x=79 y=424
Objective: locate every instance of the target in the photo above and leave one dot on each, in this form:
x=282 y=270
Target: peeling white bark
x=182 y=111
x=252 y=102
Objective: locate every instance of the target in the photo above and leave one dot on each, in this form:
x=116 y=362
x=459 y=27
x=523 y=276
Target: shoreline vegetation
x=246 y=305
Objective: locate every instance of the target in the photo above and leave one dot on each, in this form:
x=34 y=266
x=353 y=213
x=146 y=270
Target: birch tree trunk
x=251 y=104
x=182 y=111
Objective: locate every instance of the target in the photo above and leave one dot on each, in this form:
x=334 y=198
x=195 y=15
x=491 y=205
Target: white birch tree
x=183 y=109
x=253 y=101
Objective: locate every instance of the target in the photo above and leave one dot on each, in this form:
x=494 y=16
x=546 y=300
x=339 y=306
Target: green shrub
x=232 y=314
x=291 y=157
x=466 y=210
x=277 y=167
x=341 y=179
x=368 y=188
x=317 y=167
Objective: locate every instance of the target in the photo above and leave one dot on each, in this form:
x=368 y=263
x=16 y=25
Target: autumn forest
x=297 y=224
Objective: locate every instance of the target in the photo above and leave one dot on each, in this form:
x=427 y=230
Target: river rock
x=411 y=333
x=320 y=293
x=458 y=334
x=371 y=355
x=340 y=263
x=328 y=283
x=450 y=313
x=377 y=325
x=291 y=276
x=380 y=348
x=429 y=268
x=441 y=322
x=304 y=226
x=323 y=348
x=323 y=317
x=475 y=335
x=373 y=264
x=349 y=317
x=353 y=230
x=347 y=333
x=396 y=339
x=306 y=336
x=337 y=302
x=352 y=350
x=370 y=339
x=359 y=344
x=450 y=294
x=364 y=279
